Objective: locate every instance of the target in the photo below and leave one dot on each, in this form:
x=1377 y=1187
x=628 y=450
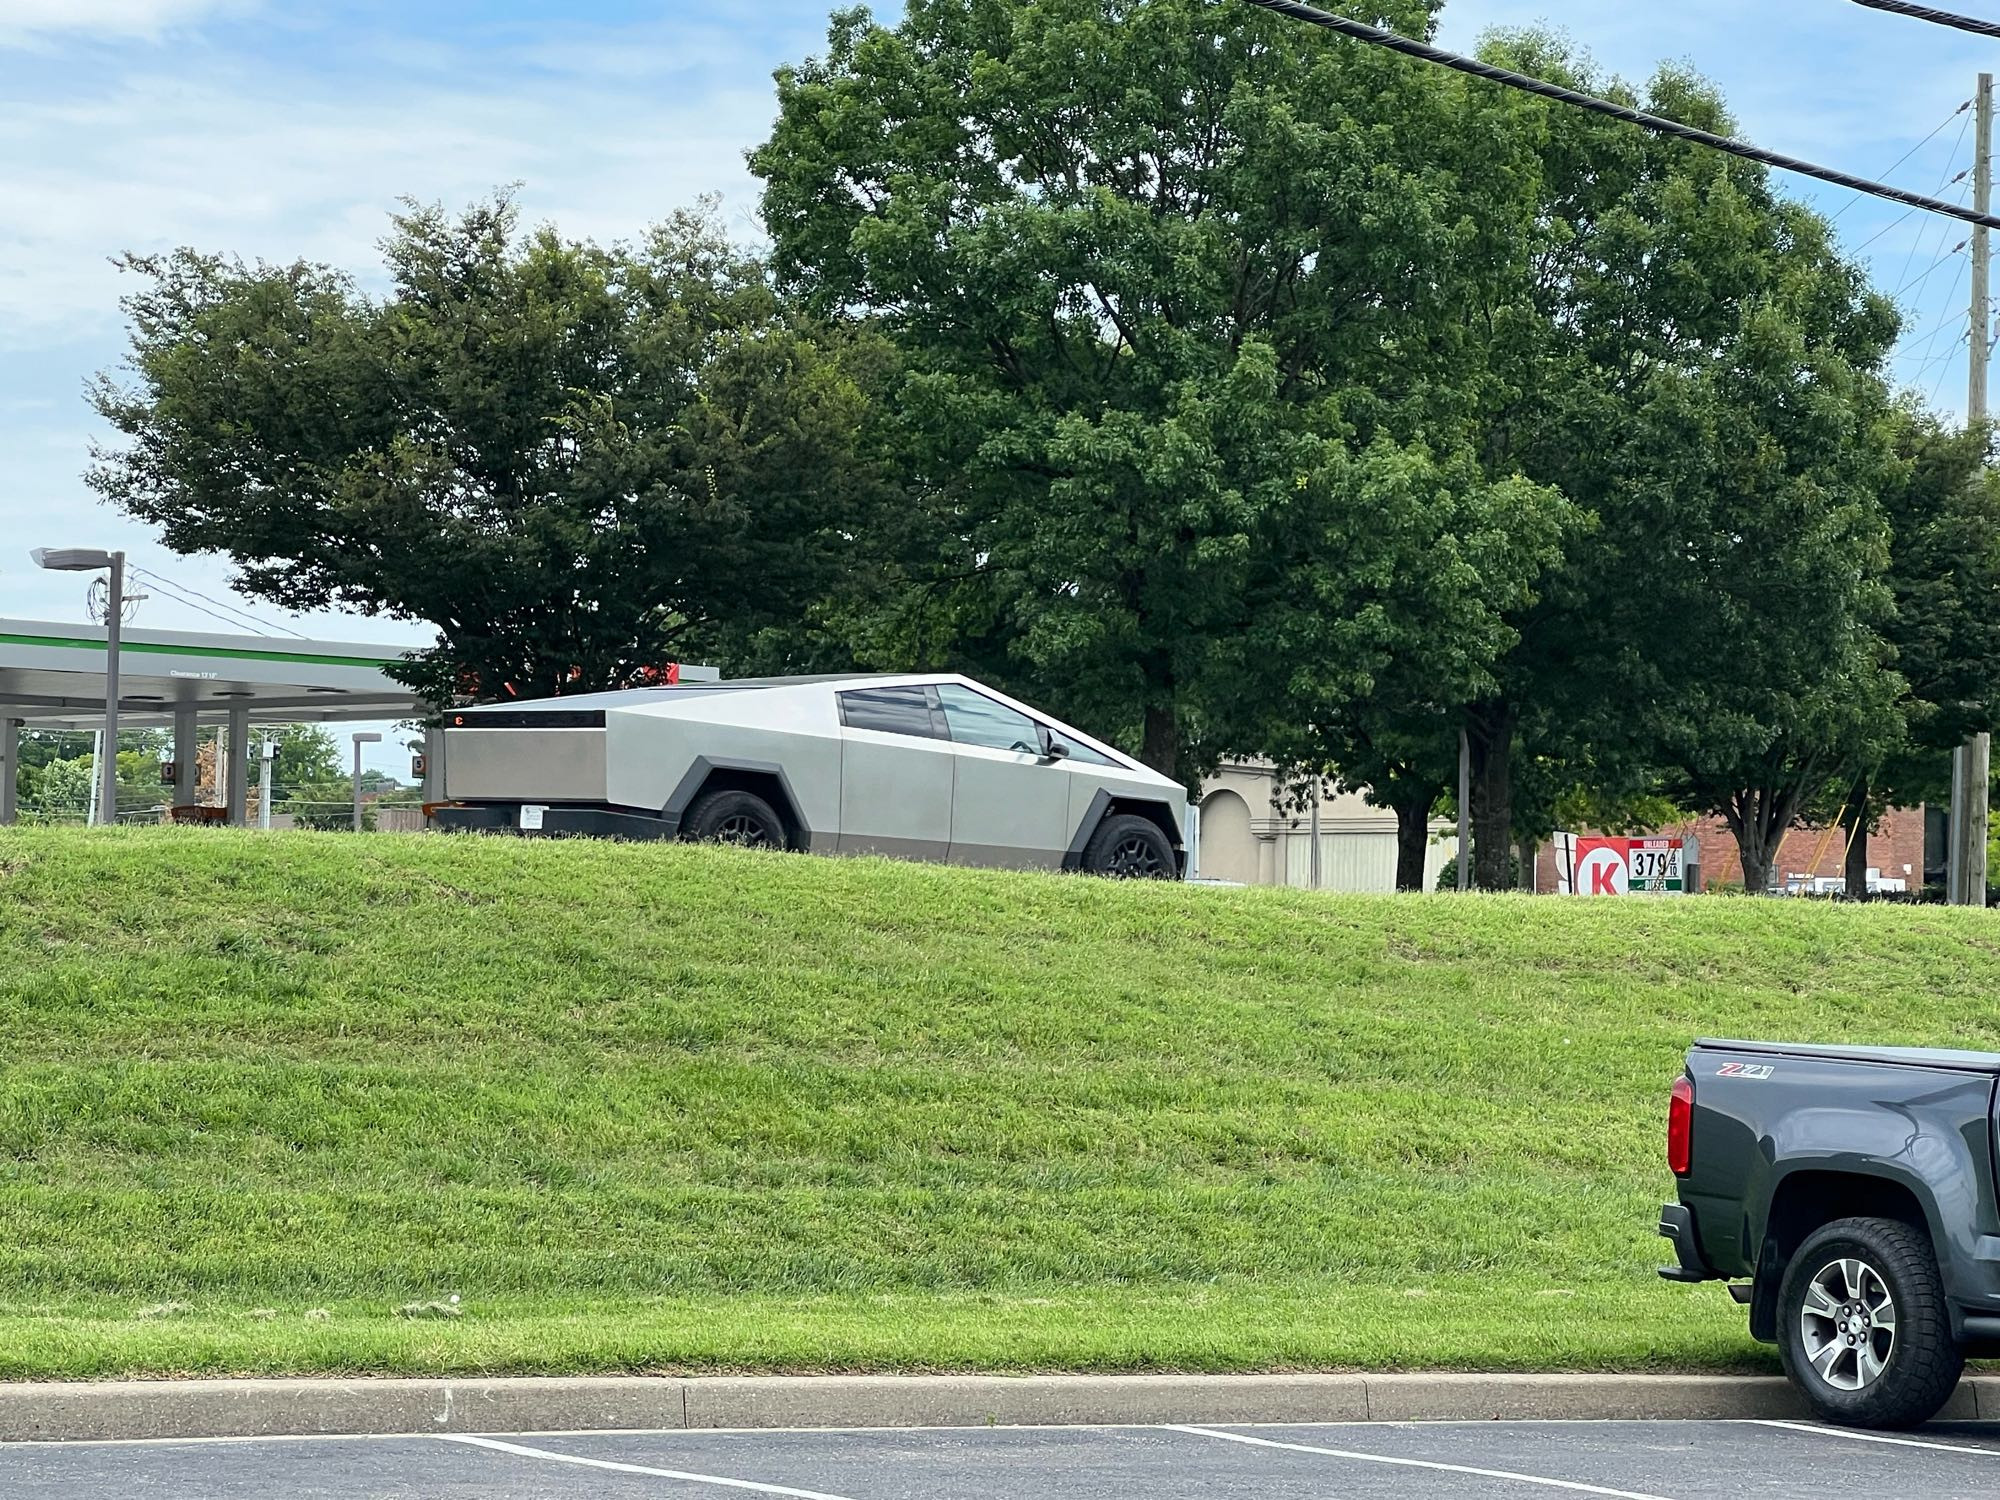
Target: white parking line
x=1877 y=1437
x=1418 y=1463
x=618 y=1468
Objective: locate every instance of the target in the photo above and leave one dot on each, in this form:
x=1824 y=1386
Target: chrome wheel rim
x=1848 y=1324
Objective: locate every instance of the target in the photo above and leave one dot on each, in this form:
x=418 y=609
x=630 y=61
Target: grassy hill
x=269 y=1103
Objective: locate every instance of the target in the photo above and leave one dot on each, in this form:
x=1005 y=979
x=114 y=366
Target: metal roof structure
x=52 y=677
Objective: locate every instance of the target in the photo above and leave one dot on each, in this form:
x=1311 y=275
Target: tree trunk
x=1759 y=817
x=1413 y=838
x=1162 y=745
x=1854 y=818
x=1492 y=734
x=1756 y=874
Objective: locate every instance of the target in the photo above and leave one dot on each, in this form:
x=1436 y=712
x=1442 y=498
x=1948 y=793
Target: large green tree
x=1176 y=285
x=579 y=463
x=1387 y=620
x=1941 y=505
x=1771 y=572
x=1692 y=363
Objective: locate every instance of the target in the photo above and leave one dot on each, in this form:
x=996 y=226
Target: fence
x=136 y=811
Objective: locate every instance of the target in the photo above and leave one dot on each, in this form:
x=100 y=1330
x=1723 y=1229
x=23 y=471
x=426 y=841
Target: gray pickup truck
x=1852 y=1195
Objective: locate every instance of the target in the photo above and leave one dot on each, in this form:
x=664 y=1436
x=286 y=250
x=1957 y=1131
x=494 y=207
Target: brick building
x=1895 y=849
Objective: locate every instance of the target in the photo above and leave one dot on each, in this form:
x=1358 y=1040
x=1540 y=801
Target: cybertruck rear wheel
x=729 y=817
x=1863 y=1325
x=1128 y=847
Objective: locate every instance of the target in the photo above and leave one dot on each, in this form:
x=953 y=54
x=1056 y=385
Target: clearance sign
x=1589 y=866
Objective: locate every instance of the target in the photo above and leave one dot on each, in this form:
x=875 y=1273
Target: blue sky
x=284 y=128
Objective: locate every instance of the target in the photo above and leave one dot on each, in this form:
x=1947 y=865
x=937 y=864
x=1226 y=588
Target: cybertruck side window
x=1083 y=755
x=892 y=710
x=976 y=719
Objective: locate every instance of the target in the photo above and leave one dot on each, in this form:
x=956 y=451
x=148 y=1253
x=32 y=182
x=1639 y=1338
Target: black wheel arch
x=1803 y=1202
x=764 y=779
x=1104 y=804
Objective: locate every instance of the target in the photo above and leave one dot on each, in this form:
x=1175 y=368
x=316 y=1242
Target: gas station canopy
x=52 y=677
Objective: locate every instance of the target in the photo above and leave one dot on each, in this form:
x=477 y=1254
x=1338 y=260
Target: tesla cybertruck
x=930 y=767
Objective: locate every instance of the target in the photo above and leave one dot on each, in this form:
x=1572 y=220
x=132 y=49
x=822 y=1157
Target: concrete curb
x=126 y=1410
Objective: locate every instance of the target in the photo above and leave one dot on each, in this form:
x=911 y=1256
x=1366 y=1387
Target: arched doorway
x=1228 y=848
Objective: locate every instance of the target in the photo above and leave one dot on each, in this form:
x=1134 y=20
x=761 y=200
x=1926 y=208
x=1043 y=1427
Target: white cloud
x=263 y=167
x=23 y=19
x=291 y=140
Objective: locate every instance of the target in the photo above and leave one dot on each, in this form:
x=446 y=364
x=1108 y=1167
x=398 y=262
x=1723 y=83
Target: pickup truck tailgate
x=523 y=764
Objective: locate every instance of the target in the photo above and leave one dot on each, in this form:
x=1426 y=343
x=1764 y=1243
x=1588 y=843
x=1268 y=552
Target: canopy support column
x=10 y=768
x=239 y=766
x=187 y=754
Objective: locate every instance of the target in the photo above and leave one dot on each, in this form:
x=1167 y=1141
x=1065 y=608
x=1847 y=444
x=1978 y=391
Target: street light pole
x=360 y=739
x=93 y=560
x=114 y=622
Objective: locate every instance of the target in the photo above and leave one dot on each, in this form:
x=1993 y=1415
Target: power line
x=1950 y=296
x=1906 y=215
x=1907 y=345
x=1925 y=359
x=1935 y=17
x=1944 y=359
x=242 y=614
x=1963 y=109
x=1943 y=375
x=1945 y=228
x=1920 y=279
x=1658 y=124
x=180 y=599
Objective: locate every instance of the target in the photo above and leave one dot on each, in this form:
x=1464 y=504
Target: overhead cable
x=181 y=599
x=1963 y=109
x=257 y=622
x=1936 y=17
x=1375 y=36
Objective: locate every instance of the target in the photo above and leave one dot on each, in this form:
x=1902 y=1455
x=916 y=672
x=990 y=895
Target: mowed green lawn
x=265 y=1100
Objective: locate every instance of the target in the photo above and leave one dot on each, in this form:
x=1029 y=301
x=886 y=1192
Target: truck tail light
x=1680 y=1127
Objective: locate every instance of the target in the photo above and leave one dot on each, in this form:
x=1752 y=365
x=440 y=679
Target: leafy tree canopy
x=571 y=460
x=1179 y=288
x=1692 y=363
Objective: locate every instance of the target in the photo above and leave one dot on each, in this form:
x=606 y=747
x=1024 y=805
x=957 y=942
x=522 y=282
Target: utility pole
x=1972 y=763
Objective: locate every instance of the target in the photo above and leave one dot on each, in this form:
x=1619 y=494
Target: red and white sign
x=1600 y=866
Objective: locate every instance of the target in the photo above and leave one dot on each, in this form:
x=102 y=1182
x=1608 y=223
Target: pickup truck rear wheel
x=1863 y=1326
x=732 y=817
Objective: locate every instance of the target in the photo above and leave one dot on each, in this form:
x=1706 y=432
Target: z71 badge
x=1744 y=1070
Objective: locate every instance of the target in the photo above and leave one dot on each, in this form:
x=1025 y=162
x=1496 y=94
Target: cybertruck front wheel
x=1128 y=847
x=731 y=817
x=1863 y=1325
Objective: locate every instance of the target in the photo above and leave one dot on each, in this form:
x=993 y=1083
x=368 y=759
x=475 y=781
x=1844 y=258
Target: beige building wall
x=1249 y=835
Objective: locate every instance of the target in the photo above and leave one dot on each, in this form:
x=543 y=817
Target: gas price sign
x=1589 y=866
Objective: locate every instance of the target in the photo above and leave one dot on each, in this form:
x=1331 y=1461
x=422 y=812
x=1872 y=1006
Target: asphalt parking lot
x=1636 y=1460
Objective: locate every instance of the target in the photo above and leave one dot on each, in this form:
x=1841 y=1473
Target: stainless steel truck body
x=934 y=767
